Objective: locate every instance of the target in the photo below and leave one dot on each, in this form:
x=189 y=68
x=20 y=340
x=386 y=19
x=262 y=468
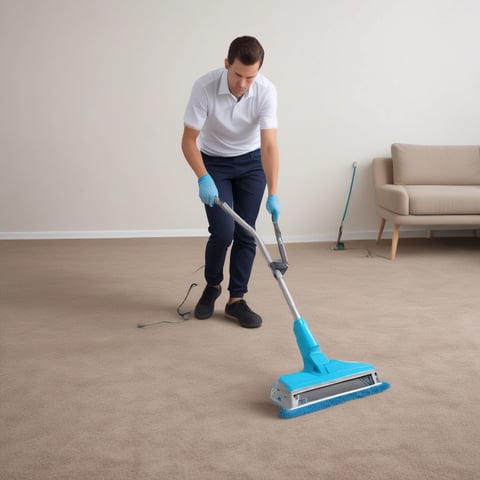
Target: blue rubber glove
x=207 y=190
x=273 y=207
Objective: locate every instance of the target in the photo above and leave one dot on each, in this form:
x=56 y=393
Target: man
x=230 y=142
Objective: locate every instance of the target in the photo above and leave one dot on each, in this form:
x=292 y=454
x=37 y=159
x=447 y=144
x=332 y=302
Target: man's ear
x=226 y=63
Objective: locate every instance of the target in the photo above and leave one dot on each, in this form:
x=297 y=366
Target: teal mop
x=323 y=382
x=340 y=245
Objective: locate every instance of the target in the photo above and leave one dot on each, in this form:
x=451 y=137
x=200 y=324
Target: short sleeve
x=197 y=107
x=268 y=112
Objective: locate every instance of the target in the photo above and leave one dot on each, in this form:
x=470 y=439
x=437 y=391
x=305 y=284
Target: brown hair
x=247 y=50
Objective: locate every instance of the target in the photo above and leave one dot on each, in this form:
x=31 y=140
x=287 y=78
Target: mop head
x=323 y=382
x=331 y=402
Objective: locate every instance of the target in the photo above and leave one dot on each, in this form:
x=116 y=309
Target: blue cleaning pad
x=330 y=402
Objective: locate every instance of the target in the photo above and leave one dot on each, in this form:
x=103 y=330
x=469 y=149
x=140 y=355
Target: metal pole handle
x=278 y=267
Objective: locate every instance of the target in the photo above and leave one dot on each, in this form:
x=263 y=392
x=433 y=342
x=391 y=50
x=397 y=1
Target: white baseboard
x=76 y=235
x=269 y=239
x=112 y=234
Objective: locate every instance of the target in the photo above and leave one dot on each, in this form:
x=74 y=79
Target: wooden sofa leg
x=380 y=230
x=395 y=236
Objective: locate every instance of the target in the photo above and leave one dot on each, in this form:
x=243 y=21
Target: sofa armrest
x=393 y=198
x=382 y=171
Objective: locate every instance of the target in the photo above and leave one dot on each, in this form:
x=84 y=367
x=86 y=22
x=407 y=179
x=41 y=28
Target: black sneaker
x=241 y=312
x=206 y=304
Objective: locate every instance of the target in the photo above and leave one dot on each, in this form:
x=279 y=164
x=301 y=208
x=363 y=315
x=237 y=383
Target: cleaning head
x=322 y=383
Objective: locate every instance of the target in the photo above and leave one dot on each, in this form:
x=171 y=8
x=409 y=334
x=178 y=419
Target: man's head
x=245 y=57
x=247 y=50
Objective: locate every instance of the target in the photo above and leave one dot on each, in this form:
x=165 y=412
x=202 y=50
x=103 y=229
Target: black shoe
x=241 y=312
x=206 y=304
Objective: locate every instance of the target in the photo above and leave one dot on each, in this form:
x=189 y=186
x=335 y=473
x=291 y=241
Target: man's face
x=240 y=76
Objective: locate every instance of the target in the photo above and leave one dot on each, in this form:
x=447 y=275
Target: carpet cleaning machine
x=323 y=382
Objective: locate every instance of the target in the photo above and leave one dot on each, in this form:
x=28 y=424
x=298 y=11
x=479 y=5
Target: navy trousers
x=241 y=183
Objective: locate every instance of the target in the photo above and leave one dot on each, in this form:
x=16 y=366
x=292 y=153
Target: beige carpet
x=85 y=394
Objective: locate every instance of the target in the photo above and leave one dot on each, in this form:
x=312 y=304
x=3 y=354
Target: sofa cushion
x=435 y=165
x=443 y=199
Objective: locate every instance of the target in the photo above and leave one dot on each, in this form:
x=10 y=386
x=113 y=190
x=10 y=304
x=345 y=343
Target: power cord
x=185 y=315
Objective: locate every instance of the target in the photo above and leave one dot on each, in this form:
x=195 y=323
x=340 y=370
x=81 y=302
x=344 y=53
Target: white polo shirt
x=229 y=127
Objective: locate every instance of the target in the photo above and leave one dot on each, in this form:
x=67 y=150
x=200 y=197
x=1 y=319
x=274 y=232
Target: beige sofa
x=427 y=185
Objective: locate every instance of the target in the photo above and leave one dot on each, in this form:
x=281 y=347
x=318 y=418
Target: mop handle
x=275 y=266
x=355 y=164
x=281 y=245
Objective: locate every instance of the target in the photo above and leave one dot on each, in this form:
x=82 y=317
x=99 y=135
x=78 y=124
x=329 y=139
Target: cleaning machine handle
x=278 y=267
x=281 y=264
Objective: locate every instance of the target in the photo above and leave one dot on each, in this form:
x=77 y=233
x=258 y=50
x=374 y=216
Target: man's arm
x=270 y=158
x=207 y=189
x=191 y=152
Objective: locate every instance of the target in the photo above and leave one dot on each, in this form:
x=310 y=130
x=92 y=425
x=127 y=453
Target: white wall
x=92 y=94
